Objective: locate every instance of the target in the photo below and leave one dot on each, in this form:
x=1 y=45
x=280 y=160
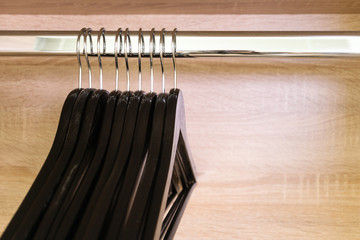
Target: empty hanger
x=174 y=139
x=114 y=142
x=183 y=161
x=124 y=170
x=59 y=139
x=49 y=163
x=113 y=183
x=137 y=212
x=135 y=162
x=39 y=205
x=73 y=203
x=84 y=150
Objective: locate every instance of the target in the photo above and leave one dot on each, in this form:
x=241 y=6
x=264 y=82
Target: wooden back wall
x=276 y=142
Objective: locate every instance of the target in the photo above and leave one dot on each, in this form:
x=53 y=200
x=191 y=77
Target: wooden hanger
x=135 y=162
x=65 y=117
x=84 y=180
x=132 y=225
x=85 y=145
x=74 y=205
x=31 y=219
x=174 y=140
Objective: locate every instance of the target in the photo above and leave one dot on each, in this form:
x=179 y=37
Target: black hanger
x=74 y=203
x=132 y=226
x=86 y=144
x=108 y=195
x=82 y=156
x=135 y=162
x=113 y=183
x=114 y=142
x=174 y=139
x=174 y=195
x=102 y=180
x=184 y=164
x=101 y=142
x=188 y=179
x=85 y=147
x=138 y=152
x=60 y=136
x=39 y=205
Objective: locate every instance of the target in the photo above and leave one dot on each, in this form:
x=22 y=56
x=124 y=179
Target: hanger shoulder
x=113 y=145
x=111 y=188
x=171 y=156
x=83 y=183
x=135 y=162
x=83 y=152
x=32 y=217
x=186 y=172
x=133 y=224
x=49 y=163
x=152 y=228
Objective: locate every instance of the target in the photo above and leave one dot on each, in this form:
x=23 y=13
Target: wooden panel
x=180 y=7
x=331 y=22
x=277 y=150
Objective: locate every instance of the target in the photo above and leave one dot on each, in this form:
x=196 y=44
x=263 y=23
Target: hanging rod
x=192 y=43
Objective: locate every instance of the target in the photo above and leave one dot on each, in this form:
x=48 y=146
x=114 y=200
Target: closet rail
x=192 y=43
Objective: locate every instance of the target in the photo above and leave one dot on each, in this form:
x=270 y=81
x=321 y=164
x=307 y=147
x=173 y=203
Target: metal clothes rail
x=192 y=44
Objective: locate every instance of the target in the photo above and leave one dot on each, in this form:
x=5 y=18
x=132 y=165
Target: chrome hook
x=173 y=53
x=101 y=34
x=152 y=52
x=162 y=50
x=88 y=34
x=116 y=52
x=141 y=50
x=81 y=33
x=127 y=51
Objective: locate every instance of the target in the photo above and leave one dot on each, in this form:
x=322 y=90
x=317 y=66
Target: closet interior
x=275 y=140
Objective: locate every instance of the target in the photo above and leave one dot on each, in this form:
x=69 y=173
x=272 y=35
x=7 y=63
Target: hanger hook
x=127 y=51
x=88 y=34
x=173 y=51
x=141 y=50
x=162 y=50
x=152 y=52
x=116 y=53
x=101 y=34
x=81 y=33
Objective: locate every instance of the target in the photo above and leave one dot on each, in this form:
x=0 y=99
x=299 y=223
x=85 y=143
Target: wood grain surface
x=179 y=7
x=267 y=22
x=276 y=142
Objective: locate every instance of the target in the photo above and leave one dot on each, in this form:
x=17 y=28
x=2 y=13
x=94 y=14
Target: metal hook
x=173 y=52
x=101 y=34
x=81 y=33
x=116 y=52
x=141 y=50
x=152 y=52
x=88 y=33
x=127 y=51
x=162 y=50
